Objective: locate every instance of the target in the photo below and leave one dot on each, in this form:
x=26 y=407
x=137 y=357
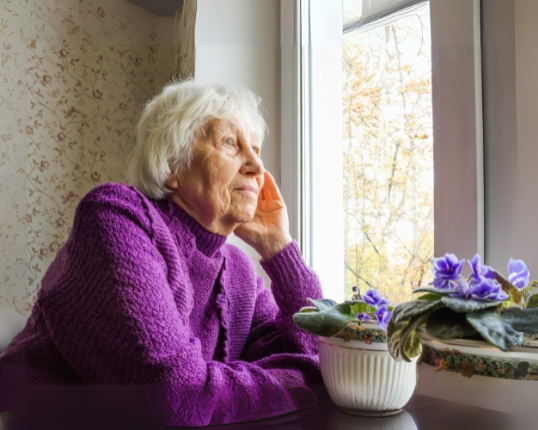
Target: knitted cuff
x=286 y=265
x=292 y=280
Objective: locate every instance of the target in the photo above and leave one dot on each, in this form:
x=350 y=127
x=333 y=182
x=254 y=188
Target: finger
x=260 y=180
x=271 y=187
x=267 y=194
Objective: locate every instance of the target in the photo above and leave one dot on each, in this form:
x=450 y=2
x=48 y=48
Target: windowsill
x=481 y=391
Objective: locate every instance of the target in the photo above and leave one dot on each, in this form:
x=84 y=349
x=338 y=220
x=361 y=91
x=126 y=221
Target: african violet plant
x=486 y=306
x=327 y=318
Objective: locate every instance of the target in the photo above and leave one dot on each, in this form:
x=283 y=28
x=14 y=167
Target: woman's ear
x=172 y=182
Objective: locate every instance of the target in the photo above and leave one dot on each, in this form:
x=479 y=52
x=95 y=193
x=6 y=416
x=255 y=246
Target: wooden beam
x=184 y=40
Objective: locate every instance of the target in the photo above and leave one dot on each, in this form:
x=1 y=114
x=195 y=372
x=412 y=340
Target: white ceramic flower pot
x=361 y=376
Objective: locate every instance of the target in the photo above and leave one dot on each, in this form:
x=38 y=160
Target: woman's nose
x=253 y=163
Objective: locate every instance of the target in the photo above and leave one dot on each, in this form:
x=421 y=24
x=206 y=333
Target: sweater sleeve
x=273 y=330
x=112 y=315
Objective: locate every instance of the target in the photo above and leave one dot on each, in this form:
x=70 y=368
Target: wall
x=457 y=127
x=511 y=106
x=73 y=77
x=500 y=130
x=238 y=42
x=526 y=205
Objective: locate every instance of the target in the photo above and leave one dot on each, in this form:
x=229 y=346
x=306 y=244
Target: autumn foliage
x=388 y=158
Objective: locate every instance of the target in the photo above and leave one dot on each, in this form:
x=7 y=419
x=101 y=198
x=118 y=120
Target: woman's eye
x=229 y=142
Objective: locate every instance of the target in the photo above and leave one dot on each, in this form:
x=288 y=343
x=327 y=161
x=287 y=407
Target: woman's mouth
x=248 y=190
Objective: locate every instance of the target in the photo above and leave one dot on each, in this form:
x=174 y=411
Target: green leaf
x=358 y=307
x=308 y=309
x=495 y=329
x=529 y=288
x=507 y=286
x=524 y=320
x=402 y=340
x=412 y=347
x=394 y=335
x=429 y=296
x=444 y=323
x=327 y=322
x=408 y=310
x=323 y=304
x=462 y=305
x=433 y=290
x=533 y=302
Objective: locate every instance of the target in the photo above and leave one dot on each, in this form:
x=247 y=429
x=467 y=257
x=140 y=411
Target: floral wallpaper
x=74 y=75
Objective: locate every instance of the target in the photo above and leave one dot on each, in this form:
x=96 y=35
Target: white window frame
x=311 y=129
x=311 y=41
x=458 y=128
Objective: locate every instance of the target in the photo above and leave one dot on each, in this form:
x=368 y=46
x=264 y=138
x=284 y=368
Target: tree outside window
x=388 y=158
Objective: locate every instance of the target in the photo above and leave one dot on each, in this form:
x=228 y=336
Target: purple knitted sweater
x=141 y=293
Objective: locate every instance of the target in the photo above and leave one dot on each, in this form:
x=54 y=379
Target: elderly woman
x=146 y=290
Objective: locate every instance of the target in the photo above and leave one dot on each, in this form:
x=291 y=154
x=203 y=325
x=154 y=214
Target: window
x=388 y=156
x=442 y=96
x=456 y=47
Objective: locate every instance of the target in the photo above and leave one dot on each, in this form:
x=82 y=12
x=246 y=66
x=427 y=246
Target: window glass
x=388 y=157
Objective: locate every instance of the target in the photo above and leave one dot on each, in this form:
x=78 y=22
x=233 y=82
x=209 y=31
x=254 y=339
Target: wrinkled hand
x=268 y=232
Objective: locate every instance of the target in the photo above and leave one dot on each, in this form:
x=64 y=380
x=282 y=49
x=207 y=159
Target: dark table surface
x=59 y=408
x=421 y=413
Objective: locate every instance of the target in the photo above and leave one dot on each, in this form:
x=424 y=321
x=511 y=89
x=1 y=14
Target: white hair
x=172 y=122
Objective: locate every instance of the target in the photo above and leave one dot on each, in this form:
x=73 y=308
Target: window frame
x=311 y=125
x=308 y=43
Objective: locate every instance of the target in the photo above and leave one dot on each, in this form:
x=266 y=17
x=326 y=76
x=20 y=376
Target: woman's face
x=220 y=187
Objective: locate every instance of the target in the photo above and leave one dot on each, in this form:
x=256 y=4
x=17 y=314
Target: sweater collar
x=206 y=242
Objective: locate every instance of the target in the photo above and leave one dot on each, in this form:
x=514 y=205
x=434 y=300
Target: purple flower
x=383 y=302
x=383 y=317
x=480 y=269
x=463 y=290
x=355 y=289
x=373 y=298
x=481 y=289
x=446 y=271
x=518 y=274
x=487 y=290
x=364 y=317
x=381 y=311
